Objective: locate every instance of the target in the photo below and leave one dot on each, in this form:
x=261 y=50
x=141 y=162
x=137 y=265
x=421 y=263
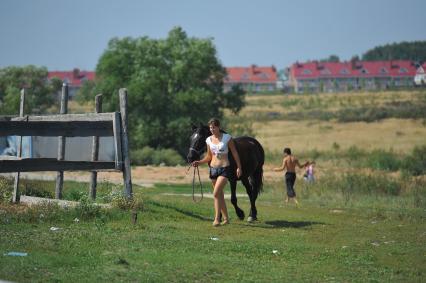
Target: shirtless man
x=289 y=163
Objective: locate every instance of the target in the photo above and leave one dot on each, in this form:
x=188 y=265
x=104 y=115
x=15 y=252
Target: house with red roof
x=74 y=79
x=252 y=79
x=420 y=78
x=345 y=76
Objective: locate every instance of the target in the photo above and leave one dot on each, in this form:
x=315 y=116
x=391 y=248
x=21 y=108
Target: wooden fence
x=70 y=125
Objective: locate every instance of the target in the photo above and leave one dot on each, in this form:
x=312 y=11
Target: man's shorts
x=215 y=172
x=290 y=178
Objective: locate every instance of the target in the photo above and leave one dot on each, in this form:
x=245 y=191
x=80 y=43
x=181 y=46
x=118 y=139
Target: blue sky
x=63 y=35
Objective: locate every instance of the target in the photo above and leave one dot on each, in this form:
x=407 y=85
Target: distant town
x=301 y=77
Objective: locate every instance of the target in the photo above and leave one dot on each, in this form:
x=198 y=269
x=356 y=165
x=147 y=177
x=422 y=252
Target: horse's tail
x=258 y=173
x=258 y=179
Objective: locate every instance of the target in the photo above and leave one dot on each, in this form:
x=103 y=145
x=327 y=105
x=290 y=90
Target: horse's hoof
x=240 y=215
x=251 y=219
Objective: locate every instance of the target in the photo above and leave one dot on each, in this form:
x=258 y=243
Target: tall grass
x=413 y=164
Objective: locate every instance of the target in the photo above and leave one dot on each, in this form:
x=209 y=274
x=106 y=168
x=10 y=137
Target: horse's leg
x=253 y=196
x=238 y=211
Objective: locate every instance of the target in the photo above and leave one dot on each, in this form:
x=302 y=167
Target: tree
x=38 y=91
x=171 y=82
x=415 y=51
x=331 y=58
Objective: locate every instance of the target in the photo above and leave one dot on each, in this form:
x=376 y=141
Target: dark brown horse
x=252 y=158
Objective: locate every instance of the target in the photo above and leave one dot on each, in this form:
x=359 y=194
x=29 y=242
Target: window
x=363 y=71
x=344 y=71
x=245 y=76
x=383 y=70
x=403 y=70
x=307 y=72
x=325 y=72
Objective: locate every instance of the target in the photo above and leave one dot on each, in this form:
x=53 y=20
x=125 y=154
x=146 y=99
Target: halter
x=196 y=151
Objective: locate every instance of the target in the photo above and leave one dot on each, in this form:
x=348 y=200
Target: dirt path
x=145 y=176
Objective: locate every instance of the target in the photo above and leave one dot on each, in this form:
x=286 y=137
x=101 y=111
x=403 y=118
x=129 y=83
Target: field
x=362 y=220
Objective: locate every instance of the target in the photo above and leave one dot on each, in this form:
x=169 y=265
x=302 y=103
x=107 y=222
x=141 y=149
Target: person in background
x=309 y=173
x=289 y=164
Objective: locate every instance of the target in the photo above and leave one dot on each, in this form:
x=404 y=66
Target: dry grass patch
x=397 y=134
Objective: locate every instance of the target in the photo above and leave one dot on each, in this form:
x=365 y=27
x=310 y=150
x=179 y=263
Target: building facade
x=74 y=79
x=351 y=75
x=252 y=79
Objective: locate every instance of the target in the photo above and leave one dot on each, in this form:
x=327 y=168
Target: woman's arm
x=234 y=152
x=207 y=158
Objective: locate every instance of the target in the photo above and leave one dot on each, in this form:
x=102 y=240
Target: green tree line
x=415 y=51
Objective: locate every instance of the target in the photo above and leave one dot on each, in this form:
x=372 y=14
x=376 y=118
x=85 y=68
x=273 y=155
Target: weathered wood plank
x=95 y=151
x=16 y=194
x=52 y=164
x=125 y=144
x=61 y=144
x=117 y=142
x=88 y=117
x=52 y=129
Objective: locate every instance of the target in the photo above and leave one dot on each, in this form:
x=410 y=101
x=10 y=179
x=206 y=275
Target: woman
x=218 y=145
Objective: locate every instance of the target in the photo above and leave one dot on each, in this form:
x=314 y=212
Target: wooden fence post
x=16 y=193
x=125 y=144
x=95 y=151
x=61 y=143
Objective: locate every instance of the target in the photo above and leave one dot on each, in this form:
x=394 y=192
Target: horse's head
x=197 y=142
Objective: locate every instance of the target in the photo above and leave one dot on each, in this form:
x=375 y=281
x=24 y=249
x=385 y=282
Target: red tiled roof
x=73 y=78
x=253 y=74
x=397 y=68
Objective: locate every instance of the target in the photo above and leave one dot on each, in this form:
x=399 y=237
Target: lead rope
x=193 y=184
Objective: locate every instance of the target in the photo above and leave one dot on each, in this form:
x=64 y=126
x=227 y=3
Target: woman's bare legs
x=219 y=200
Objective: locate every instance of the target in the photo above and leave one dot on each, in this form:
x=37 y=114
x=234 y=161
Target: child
x=289 y=163
x=309 y=173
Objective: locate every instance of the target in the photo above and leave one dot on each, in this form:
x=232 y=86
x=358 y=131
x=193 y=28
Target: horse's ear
x=193 y=127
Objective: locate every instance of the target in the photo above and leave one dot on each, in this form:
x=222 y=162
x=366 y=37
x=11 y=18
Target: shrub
x=119 y=200
x=383 y=160
x=415 y=163
x=368 y=184
x=87 y=209
x=168 y=157
x=150 y=156
x=6 y=190
x=142 y=156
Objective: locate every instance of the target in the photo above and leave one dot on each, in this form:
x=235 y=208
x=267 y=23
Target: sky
x=66 y=34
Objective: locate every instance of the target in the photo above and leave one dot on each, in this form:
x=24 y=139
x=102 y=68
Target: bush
x=87 y=209
x=415 y=163
x=150 y=156
x=368 y=184
x=6 y=190
x=383 y=160
x=142 y=156
x=119 y=200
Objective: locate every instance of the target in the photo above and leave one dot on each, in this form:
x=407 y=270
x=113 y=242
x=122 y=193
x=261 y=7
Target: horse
x=252 y=157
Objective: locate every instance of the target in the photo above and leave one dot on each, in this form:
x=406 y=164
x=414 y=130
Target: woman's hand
x=195 y=163
x=239 y=172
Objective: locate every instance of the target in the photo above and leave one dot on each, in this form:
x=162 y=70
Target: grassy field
x=327 y=239
x=363 y=220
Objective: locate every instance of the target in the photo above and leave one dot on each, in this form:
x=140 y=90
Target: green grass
x=324 y=240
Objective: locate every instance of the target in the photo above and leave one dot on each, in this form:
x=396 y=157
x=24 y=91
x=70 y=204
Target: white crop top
x=221 y=149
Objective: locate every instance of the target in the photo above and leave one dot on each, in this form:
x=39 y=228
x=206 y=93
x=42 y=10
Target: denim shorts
x=215 y=172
